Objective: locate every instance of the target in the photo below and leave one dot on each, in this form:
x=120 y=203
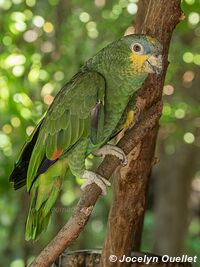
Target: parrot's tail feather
x=19 y=174
x=36 y=223
x=44 y=192
x=45 y=165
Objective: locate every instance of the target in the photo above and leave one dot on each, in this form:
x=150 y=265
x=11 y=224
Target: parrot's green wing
x=77 y=111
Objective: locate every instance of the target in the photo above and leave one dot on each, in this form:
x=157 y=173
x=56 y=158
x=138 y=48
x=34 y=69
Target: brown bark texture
x=158 y=19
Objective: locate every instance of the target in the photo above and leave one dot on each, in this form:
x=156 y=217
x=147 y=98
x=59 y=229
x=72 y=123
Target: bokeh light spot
x=31 y=3
x=25 y=113
x=17 y=263
x=14 y=60
x=167 y=110
x=188 y=57
x=48 y=99
x=194 y=18
x=33 y=75
x=7 y=128
x=5 y=4
x=179 y=113
x=17 y=2
x=116 y=11
x=47 y=89
x=100 y=3
x=7 y=40
x=93 y=33
x=196 y=59
x=43 y=75
x=47 y=47
x=18 y=71
x=189 y=138
x=18 y=16
x=48 y=27
x=28 y=13
x=67 y=198
x=91 y=25
x=4 y=140
x=20 y=26
x=168 y=89
x=30 y=36
x=84 y=17
x=36 y=58
x=4 y=93
x=15 y=121
x=59 y=76
x=132 y=8
x=97 y=226
x=38 y=21
x=23 y=99
x=190 y=2
x=188 y=76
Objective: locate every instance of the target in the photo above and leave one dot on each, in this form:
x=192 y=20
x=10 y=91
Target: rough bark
x=158 y=19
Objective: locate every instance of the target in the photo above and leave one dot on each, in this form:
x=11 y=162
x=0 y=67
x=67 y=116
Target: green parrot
x=84 y=116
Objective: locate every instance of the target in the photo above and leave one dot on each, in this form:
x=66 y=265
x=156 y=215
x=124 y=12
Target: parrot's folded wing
x=77 y=111
x=18 y=175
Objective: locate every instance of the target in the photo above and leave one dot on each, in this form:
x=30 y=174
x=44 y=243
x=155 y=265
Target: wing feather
x=68 y=118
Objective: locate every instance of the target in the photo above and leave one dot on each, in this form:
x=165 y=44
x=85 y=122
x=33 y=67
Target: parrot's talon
x=92 y=177
x=114 y=151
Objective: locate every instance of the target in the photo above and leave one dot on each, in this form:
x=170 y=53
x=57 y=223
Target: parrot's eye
x=137 y=48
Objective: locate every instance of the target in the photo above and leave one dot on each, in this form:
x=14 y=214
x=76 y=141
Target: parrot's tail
x=44 y=193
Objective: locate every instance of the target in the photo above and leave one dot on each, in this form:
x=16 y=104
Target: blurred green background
x=43 y=43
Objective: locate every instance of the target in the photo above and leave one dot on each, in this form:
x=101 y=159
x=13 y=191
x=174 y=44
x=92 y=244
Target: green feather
x=44 y=195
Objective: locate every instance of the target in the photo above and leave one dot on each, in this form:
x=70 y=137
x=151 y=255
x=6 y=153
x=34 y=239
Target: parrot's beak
x=154 y=64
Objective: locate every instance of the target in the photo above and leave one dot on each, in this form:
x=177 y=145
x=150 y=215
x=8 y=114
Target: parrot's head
x=142 y=52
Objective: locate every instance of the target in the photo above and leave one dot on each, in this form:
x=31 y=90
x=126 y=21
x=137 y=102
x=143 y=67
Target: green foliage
x=43 y=43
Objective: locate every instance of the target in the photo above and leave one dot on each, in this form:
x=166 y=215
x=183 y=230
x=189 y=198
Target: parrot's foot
x=112 y=150
x=92 y=177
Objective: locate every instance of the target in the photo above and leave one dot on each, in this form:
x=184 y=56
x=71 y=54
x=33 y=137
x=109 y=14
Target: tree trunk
x=173 y=192
x=156 y=18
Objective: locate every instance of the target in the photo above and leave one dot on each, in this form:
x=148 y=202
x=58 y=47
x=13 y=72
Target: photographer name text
x=149 y=259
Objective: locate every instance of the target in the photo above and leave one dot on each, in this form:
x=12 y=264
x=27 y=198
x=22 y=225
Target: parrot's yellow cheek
x=138 y=62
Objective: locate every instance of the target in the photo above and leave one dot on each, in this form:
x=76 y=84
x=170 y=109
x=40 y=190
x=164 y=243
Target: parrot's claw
x=92 y=177
x=112 y=150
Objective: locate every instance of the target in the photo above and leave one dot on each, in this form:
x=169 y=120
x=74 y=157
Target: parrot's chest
x=118 y=94
x=115 y=105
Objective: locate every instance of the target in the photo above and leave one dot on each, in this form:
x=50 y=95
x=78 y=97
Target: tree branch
x=79 y=218
x=157 y=19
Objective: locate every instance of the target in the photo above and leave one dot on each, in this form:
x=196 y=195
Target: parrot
x=85 y=115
